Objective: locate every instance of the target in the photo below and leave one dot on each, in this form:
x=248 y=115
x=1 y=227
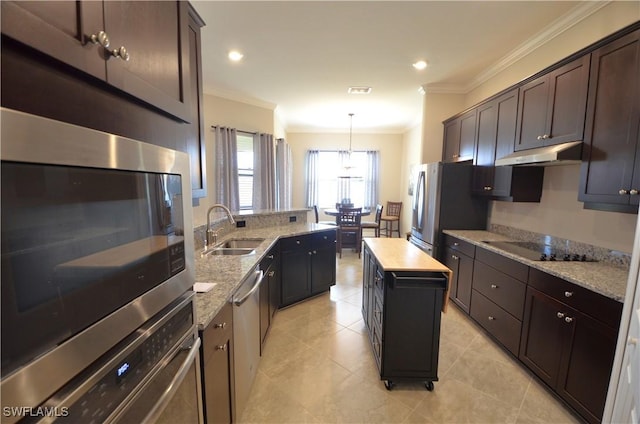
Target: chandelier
x=348 y=166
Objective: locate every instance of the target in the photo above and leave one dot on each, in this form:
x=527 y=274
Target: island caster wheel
x=429 y=385
x=388 y=384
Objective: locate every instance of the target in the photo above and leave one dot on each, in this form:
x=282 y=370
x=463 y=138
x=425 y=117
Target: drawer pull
x=568 y=294
x=272 y=273
x=560 y=315
x=221 y=347
x=568 y=319
x=297 y=241
x=454 y=257
x=491 y=318
x=223 y=325
x=632 y=341
x=270 y=257
x=455 y=243
x=494 y=286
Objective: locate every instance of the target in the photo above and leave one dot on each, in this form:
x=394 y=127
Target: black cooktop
x=538 y=251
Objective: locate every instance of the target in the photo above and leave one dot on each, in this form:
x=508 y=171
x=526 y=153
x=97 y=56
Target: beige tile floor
x=318 y=368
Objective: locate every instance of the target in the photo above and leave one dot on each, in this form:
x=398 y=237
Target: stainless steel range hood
x=559 y=154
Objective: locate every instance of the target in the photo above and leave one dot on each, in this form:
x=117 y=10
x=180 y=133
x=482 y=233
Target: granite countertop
x=600 y=277
x=228 y=272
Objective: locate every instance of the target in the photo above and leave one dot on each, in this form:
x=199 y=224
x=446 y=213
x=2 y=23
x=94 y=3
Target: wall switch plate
x=292 y=219
x=241 y=224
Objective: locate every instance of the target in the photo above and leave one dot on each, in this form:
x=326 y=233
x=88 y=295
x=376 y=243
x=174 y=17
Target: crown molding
x=242 y=98
x=557 y=27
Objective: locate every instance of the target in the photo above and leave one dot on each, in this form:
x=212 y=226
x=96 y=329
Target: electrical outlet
x=292 y=219
x=241 y=224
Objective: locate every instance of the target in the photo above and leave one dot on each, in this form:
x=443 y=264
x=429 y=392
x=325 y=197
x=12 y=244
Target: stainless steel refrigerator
x=442 y=200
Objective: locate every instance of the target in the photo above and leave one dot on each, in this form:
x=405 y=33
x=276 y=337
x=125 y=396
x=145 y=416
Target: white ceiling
x=301 y=56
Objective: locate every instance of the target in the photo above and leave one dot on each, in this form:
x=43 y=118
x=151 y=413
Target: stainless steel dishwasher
x=246 y=337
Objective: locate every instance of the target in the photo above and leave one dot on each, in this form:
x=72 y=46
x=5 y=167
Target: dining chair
x=349 y=221
x=367 y=225
x=315 y=211
x=392 y=215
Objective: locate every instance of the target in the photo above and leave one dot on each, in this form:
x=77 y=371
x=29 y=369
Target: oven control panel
x=120 y=374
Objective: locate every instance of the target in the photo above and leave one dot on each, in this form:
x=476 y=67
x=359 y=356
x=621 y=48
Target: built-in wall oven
x=97 y=248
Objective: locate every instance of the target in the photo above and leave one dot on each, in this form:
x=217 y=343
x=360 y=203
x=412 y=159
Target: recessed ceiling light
x=420 y=65
x=359 y=90
x=235 y=55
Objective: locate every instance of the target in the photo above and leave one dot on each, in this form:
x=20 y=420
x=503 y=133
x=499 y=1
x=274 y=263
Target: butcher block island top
x=397 y=254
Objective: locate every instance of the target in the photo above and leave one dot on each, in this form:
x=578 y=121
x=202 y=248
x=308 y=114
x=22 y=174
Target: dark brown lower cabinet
x=570 y=351
x=217 y=367
x=462 y=267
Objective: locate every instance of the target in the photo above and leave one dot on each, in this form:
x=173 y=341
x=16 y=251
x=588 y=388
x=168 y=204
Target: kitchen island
x=404 y=293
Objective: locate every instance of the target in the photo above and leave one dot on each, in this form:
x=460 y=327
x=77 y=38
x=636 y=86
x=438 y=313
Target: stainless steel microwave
x=97 y=237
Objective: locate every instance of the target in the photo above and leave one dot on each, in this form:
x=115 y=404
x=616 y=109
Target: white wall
x=227 y=113
x=390 y=147
x=558 y=213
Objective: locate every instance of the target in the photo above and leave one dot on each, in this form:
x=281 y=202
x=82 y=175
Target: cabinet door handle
x=560 y=315
x=221 y=347
x=491 y=318
x=297 y=241
x=622 y=191
x=456 y=244
x=223 y=325
x=494 y=286
x=568 y=319
x=121 y=53
x=270 y=257
x=545 y=136
x=272 y=273
x=310 y=253
x=632 y=341
x=100 y=38
x=454 y=257
x=539 y=137
x=633 y=192
x=568 y=294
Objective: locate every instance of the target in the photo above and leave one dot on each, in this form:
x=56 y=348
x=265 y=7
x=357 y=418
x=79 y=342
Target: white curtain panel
x=371 y=179
x=284 y=172
x=226 y=149
x=264 y=172
x=311 y=179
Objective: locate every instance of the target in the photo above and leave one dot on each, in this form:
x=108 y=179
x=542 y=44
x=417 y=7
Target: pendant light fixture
x=348 y=166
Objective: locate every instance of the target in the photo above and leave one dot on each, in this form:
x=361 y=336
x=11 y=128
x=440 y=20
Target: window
x=245 y=170
x=326 y=184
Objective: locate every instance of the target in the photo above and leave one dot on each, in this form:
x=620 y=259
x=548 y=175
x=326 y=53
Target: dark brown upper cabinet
x=195 y=142
x=610 y=172
x=460 y=138
x=140 y=48
x=551 y=108
x=496 y=132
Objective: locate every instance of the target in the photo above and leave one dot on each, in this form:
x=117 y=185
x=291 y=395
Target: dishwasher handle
x=259 y=275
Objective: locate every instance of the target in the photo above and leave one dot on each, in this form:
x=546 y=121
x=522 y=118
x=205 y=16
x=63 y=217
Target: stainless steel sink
x=216 y=251
x=240 y=243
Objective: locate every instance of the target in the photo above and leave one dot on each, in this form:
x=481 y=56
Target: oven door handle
x=259 y=276
x=167 y=395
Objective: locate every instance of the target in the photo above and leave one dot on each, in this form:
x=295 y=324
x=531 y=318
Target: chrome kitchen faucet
x=212 y=236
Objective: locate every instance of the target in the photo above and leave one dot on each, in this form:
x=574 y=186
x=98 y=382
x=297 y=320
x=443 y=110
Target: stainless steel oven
x=96 y=240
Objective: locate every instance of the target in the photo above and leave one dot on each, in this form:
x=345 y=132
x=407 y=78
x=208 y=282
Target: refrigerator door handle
x=420 y=198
